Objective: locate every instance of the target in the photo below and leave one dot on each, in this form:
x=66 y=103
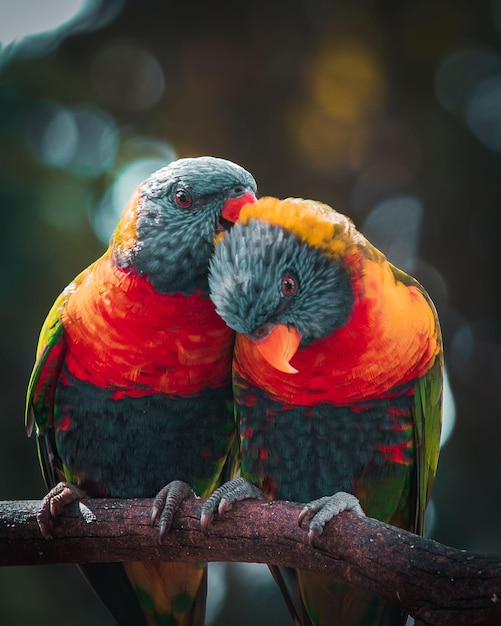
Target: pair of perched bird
x=286 y=349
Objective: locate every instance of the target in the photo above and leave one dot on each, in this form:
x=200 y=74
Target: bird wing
x=427 y=417
x=427 y=426
x=40 y=397
x=42 y=388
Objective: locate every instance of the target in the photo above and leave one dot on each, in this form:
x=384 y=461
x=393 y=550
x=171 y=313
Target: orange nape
x=279 y=346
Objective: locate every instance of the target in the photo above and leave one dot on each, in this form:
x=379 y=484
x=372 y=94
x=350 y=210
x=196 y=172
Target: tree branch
x=436 y=584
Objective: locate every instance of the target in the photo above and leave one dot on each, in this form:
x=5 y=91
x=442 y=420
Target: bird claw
x=166 y=503
x=224 y=497
x=321 y=511
x=53 y=505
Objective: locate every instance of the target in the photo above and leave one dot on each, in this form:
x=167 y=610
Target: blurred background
x=389 y=111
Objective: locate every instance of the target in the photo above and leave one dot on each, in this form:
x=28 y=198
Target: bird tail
x=170 y=593
x=109 y=581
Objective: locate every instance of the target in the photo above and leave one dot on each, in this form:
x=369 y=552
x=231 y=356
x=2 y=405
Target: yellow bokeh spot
x=347 y=82
x=344 y=93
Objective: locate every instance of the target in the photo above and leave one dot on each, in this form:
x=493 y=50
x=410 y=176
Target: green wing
x=427 y=416
x=42 y=388
x=49 y=358
x=427 y=428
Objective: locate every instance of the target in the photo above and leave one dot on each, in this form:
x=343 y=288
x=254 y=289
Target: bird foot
x=53 y=505
x=321 y=511
x=166 y=503
x=224 y=498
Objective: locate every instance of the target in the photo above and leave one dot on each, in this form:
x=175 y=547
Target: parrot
x=130 y=395
x=337 y=381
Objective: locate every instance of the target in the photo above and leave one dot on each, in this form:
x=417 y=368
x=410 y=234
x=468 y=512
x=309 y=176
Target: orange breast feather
x=390 y=339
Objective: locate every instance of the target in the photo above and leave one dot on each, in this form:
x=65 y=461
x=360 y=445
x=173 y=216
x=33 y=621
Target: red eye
x=289 y=285
x=183 y=198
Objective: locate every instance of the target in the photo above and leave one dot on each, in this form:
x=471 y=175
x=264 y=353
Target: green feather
x=39 y=412
x=427 y=427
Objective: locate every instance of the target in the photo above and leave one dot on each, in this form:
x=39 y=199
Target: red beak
x=232 y=206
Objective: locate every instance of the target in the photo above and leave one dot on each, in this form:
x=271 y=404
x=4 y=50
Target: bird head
x=278 y=276
x=168 y=227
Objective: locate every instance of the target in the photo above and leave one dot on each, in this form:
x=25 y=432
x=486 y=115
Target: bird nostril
x=261 y=332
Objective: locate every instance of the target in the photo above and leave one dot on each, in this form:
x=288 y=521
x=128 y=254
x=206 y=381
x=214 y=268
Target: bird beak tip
x=279 y=346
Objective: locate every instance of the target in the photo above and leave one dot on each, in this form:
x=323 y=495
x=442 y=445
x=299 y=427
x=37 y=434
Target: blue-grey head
x=263 y=277
x=167 y=231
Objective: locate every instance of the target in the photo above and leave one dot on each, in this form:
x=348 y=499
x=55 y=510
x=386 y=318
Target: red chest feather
x=122 y=333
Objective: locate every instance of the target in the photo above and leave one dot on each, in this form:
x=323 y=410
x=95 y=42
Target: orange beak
x=279 y=346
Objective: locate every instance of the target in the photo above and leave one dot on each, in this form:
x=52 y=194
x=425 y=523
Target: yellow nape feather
x=313 y=222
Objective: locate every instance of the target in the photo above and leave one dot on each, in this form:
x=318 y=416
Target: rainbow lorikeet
x=131 y=387
x=337 y=381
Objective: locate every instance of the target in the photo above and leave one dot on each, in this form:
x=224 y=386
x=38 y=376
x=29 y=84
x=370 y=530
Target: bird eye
x=289 y=285
x=183 y=198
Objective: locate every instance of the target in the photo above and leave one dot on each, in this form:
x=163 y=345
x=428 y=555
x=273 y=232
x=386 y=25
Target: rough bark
x=436 y=584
